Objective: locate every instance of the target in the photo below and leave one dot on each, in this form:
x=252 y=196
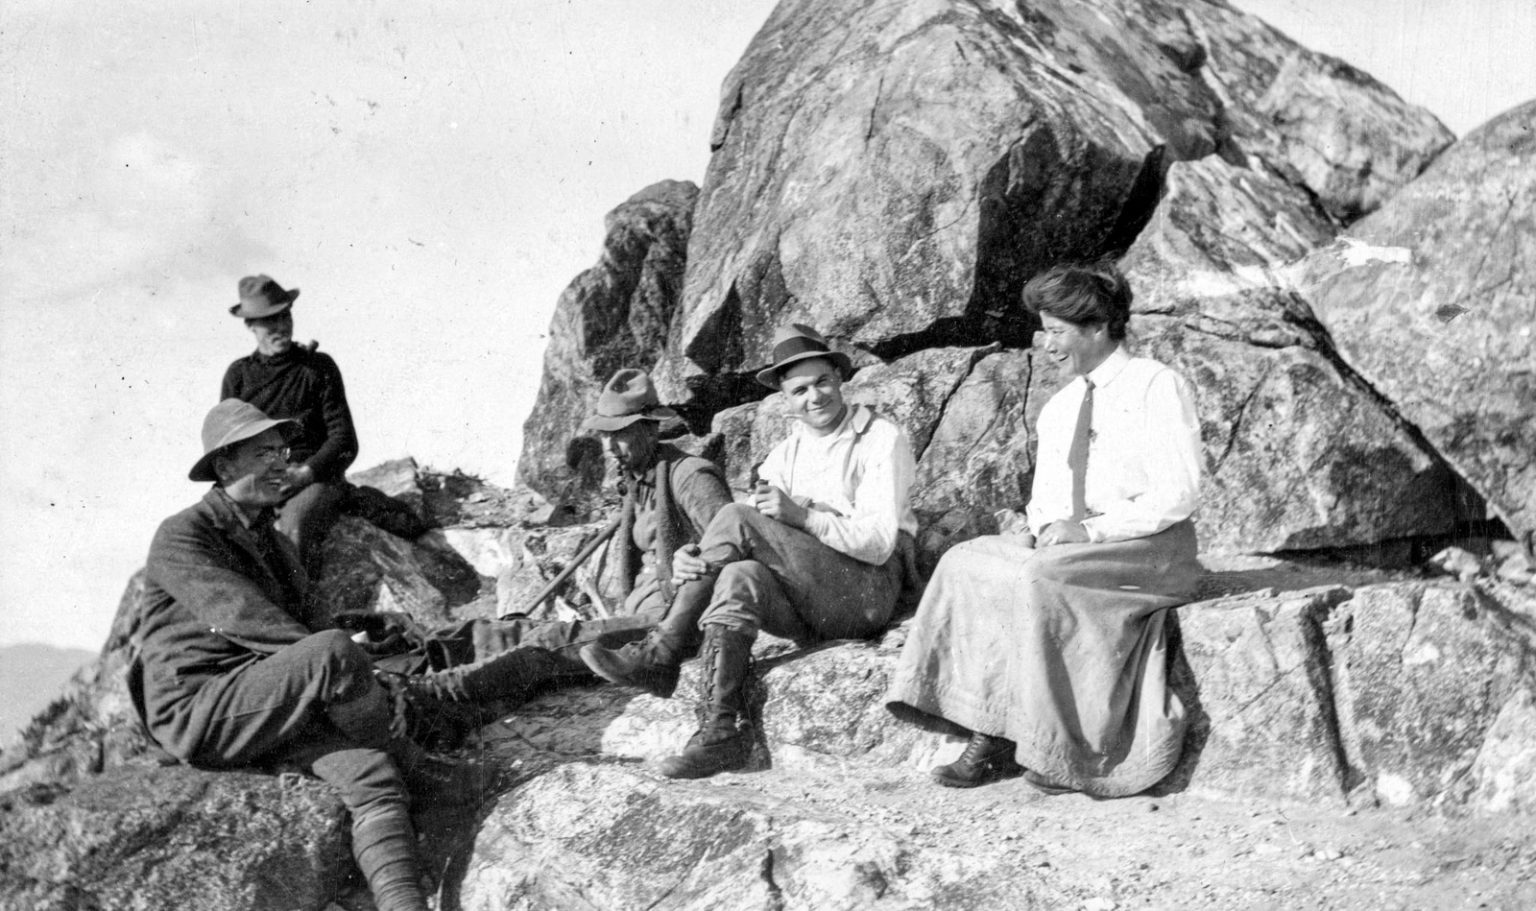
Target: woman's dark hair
x=1082 y=294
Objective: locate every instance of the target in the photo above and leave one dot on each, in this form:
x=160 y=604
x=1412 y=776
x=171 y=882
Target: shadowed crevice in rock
x=1011 y=248
x=1319 y=669
x=1460 y=498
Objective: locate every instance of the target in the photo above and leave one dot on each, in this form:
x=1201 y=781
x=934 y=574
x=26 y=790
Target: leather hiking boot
x=710 y=751
x=444 y=779
x=724 y=740
x=986 y=758
x=513 y=676
x=650 y=664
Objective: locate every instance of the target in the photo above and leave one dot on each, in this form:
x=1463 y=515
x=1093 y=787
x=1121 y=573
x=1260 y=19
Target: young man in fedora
x=670 y=497
x=236 y=667
x=294 y=381
x=815 y=555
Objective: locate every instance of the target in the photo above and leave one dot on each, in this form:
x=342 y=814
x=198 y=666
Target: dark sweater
x=304 y=385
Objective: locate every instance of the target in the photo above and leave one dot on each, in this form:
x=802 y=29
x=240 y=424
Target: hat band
x=793 y=347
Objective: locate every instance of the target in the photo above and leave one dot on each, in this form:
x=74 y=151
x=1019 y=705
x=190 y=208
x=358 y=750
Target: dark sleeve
x=195 y=570
x=699 y=491
x=230 y=388
x=339 y=450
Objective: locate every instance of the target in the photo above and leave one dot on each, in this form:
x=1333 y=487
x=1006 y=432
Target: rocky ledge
x=1355 y=726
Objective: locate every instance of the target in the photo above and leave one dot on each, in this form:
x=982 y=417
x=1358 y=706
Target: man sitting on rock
x=295 y=381
x=817 y=554
x=670 y=497
x=236 y=667
x=1051 y=646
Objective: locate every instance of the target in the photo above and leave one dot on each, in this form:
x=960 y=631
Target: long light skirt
x=1062 y=650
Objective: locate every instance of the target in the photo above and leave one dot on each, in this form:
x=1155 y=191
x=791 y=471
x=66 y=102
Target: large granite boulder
x=1429 y=299
x=615 y=314
x=1254 y=680
x=1422 y=674
x=1299 y=452
x=895 y=172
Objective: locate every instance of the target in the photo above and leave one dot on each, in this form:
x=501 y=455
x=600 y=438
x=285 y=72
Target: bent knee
x=335 y=649
x=743 y=572
x=736 y=515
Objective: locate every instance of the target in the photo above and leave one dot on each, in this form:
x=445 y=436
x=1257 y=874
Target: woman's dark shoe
x=986 y=758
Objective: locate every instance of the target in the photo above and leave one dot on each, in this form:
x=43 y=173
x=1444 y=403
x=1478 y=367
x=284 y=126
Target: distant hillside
x=30 y=676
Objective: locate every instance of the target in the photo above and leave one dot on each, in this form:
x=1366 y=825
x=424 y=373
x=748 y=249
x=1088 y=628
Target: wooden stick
x=586 y=551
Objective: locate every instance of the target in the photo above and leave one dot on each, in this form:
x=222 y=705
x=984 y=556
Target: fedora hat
x=628 y=397
x=229 y=422
x=798 y=342
x=260 y=297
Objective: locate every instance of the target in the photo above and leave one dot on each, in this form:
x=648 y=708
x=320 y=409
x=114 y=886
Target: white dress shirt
x=1143 y=452
x=855 y=481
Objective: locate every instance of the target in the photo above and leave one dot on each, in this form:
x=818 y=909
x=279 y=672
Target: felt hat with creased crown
x=628 y=397
x=261 y=297
x=229 y=422
x=798 y=342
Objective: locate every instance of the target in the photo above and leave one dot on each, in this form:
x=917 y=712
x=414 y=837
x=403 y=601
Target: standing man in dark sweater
x=297 y=383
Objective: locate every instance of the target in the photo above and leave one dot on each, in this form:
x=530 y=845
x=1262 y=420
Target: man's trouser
x=307 y=517
x=783 y=581
x=273 y=711
x=279 y=709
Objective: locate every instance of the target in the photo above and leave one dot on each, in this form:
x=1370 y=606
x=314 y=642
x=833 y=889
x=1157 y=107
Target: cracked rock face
x=895 y=172
x=616 y=314
x=1430 y=299
x=1299 y=452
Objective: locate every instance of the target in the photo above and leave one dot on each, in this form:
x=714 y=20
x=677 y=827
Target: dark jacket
x=688 y=492
x=304 y=385
x=217 y=596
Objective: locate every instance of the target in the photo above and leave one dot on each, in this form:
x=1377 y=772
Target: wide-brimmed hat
x=228 y=423
x=628 y=397
x=797 y=342
x=261 y=297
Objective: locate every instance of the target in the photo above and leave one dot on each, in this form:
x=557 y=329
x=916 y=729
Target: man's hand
x=687 y=565
x=298 y=478
x=776 y=504
x=1065 y=531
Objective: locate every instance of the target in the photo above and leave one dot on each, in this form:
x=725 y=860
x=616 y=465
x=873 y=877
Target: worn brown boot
x=652 y=663
x=724 y=739
x=444 y=780
x=513 y=675
x=986 y=758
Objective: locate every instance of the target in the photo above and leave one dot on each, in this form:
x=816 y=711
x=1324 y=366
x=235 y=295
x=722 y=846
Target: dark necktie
x=1077 y=456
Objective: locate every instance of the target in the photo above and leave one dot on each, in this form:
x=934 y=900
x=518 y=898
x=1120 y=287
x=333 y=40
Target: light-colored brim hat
x=228 y=423
x=628 y=397
x=261 y=297
x=797 y=342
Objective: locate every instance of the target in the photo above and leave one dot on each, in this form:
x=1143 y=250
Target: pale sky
x=430 y=177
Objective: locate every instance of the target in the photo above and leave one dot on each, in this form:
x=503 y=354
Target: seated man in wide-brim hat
x=670 y=497
x=816 y=554
x=237 y=665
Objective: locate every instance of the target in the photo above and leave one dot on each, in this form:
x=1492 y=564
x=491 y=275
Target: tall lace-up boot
x=724 y=738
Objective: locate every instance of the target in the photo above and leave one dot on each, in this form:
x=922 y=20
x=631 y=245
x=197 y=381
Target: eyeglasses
x=270 y=454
